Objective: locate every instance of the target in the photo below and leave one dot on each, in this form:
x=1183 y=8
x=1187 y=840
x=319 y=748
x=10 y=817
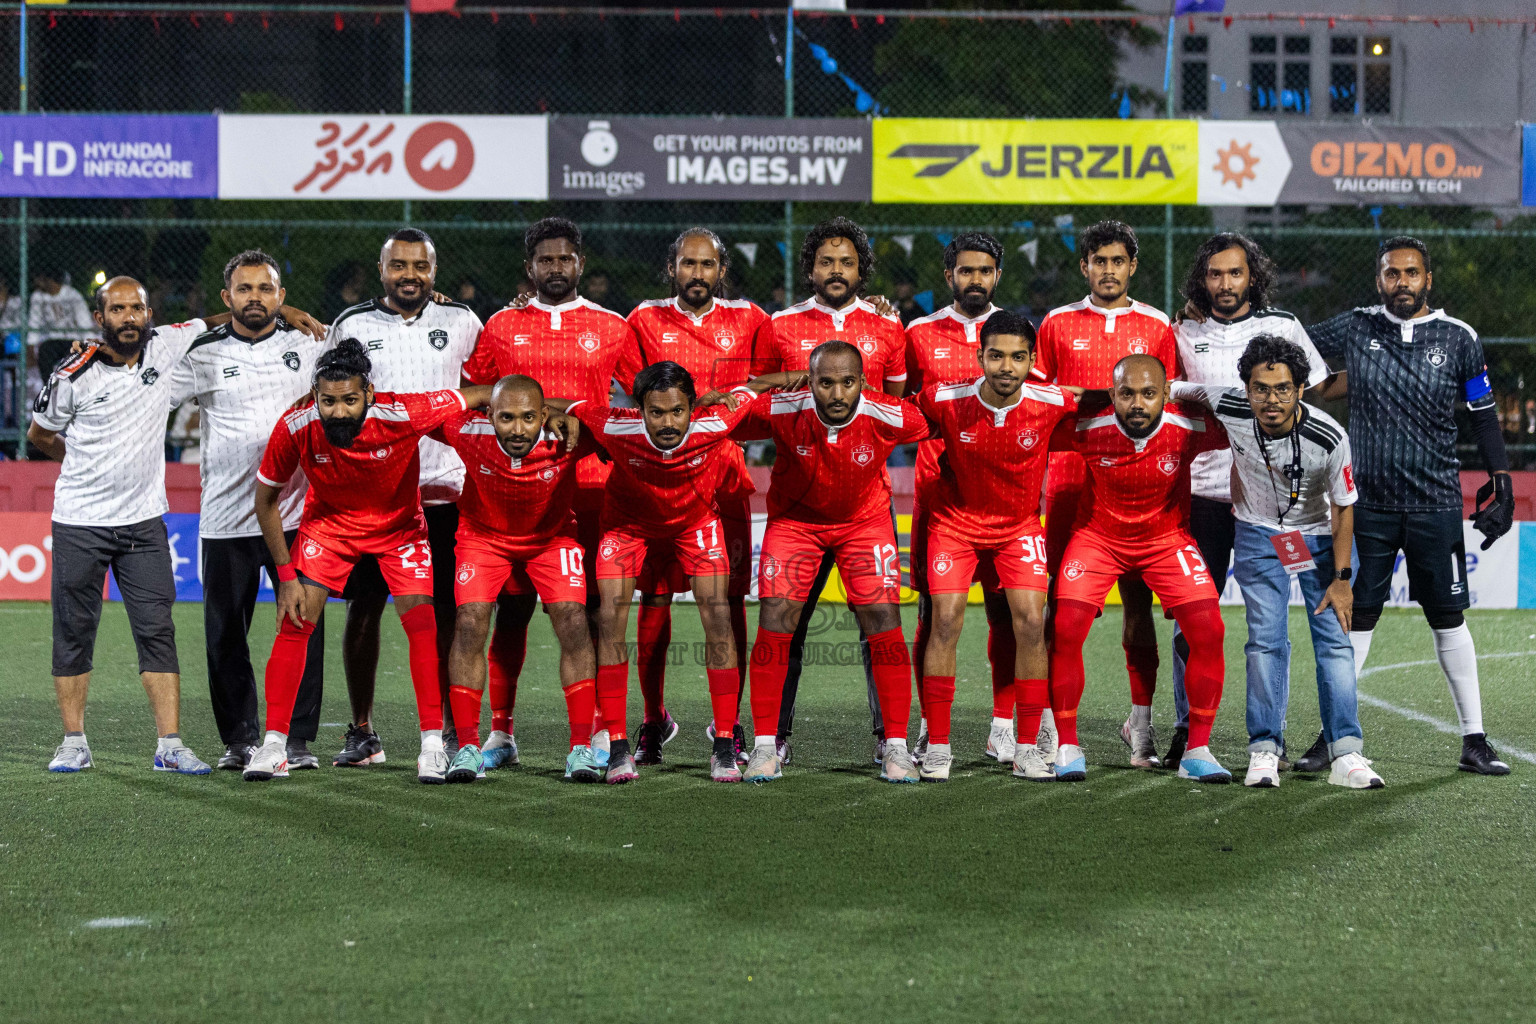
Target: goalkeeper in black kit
x=1407 y=368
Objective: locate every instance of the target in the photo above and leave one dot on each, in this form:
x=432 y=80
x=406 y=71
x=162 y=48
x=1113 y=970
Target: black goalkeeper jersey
x=1406 y=378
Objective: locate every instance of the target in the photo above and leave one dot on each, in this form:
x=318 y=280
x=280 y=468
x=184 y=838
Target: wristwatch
x=1344 y=574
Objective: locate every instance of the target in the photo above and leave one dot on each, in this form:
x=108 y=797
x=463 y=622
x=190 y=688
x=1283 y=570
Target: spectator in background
x=57 y=319
x=906 y=303
x=469 y=292
x=602 y=289
x=776 y=300
x=11 y=326
x=345 y=286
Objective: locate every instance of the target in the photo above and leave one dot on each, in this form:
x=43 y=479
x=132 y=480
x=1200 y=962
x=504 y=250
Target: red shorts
x=698 y=550
x=404 y=557
x=1171 y=566
x=489 y=568
x=867 y=559
x=662 y=573
x=1066 y=486
x=954 y=563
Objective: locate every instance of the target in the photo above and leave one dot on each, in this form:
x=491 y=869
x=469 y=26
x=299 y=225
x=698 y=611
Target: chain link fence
x=701 y=61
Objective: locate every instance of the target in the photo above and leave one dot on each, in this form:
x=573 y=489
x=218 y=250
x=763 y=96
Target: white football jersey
x=1209 y=352
x=242 y=387
x=425 y=353
x=113 y=419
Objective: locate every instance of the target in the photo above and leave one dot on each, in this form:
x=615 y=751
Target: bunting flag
x=905 y=241
x=925 y=300
x=944 y=238
x=431 y=6
x=749 y=250
x=1031 y=249
x=1068 y=233
x=783 y=249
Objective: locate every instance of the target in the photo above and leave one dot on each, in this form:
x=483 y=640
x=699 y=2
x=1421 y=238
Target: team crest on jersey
x=1028 y=438
x=1074 y=570
x=381 y=453
x=725 y=339
x=312 y=550
x=1138 y=348
x=867 y=344
x=588 y=340
x=942 y=563
x=291 y=360
x=770 y=567
x=466 y=572
x=548 y=474
x=1168 y=464
x=697 y=460
x=440 y=399
x=150 y=375
x=863 y=455
x=1437 y=357
x=608 y=550
x=438 y=339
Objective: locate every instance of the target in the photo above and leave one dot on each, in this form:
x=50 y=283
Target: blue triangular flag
x=944 y=237
x=1198 y=7
x=925 y=299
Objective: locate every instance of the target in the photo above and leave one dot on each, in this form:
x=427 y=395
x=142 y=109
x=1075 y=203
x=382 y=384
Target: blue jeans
x=1266 y=597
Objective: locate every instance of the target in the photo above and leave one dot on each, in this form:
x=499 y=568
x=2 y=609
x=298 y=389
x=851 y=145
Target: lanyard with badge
x=1290 y=545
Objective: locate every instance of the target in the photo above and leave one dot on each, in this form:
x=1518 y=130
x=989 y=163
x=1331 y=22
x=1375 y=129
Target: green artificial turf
x=360 y=895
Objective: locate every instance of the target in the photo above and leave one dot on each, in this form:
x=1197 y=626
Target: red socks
x=938 y=697
x=1141 y=666
x=580 y=706
x=723 y=694
x=509 y=648
x=421 y=633
x=612 y=695
x=1204 y=672
x=1071 y=621
x=893 y=681
x=465 y=705
x=284 y=670
x=770 y=663
x=1034 y=696
x=1002 y=651
x=653 y=639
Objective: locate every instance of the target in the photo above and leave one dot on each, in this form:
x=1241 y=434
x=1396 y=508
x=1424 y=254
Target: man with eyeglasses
x=1293 y=493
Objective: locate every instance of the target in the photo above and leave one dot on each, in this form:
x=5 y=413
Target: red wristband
x=287 y=573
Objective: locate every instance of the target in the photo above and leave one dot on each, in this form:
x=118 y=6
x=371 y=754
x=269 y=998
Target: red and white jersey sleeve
x=825 y=474
x=523 y=501
x=992 y=468
x=1080 y=344
x=653 y=491
x=1140 y=487
x=715 y=348
x=941 y=348
x=372 y=487
x=786 y=342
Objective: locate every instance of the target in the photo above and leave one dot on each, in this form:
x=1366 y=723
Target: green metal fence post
x=22 y=270
x=1168 y=207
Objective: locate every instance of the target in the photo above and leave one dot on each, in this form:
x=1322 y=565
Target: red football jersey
x=824 y=474
x=787 y=341
x=573 y=350
x=993 y=463
x=716 y=347
x=1080 y=344
x=370 y=488
x=941 y=348
x=655 y=492
x=1139 y=489
x=526 y=502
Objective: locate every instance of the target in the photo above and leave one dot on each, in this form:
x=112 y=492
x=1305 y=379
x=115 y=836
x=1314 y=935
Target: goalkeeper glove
x=1495 y=520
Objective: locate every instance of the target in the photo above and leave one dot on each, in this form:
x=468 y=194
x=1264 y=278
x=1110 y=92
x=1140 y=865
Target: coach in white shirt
x=1228 y=306
x=113 y=400
x=244 y=375
x=1293 y=494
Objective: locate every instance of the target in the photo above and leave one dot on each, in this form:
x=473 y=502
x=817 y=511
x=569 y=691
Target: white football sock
x=764 y=741
x=275 y=737
x=1458 y=659
x=901 y=743
x=497 y=738
x=939 y=748
x=431 y=739
x=170 y=741
x=1002 y=723
x=1141 y=716
x=1360 y=640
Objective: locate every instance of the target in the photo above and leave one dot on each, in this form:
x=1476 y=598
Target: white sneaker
x=1353 y=771
x=1071 y=766
x=1143 y=744
x=897 y=765
x=70 y=757
x=1045 y=739
x=1263 y=770
x=1029 y=764
x=269 y=762
x=432 y=767
x=935 y=766
x=1001 y=744
x=920 y=748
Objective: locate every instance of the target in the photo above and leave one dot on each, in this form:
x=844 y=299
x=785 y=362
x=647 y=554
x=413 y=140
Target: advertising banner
x=1374 y=164
x=733 y=158
x=382 y=156
x=26 y=556
x=96 y=156
x=936 y=160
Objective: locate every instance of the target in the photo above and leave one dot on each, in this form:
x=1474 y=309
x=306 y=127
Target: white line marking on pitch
x=1430 y=720
x=118 y=922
